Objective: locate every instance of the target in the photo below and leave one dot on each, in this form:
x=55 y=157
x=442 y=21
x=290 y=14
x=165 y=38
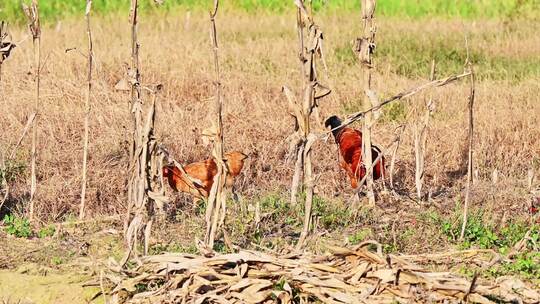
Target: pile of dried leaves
x=355 y=275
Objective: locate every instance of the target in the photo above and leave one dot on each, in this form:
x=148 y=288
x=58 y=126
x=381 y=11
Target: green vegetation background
x=10 y=10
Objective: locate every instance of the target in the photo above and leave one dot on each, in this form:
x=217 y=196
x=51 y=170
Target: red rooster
x=349 y=142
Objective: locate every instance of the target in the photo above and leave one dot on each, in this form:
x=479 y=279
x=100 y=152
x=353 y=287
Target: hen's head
x=334 y=123
x=235 y=162
x=236 y=155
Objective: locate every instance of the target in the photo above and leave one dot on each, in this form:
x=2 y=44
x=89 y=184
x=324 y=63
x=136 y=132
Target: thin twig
x=399 y=129
x=405 y=94
x=102 y=287
x=29 y=123
x=12 y=155
x=470 y=139
x=420 y=139
x=86 y=109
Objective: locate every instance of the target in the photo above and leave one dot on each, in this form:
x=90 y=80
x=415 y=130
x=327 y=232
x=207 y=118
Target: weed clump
x=331 y=214
x=17 y=226
x=360 y=236
x=481 y=233
x=46 y=231
x=11 y=171
x=172 y=247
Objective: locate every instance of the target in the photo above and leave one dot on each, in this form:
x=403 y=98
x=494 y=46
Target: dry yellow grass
x=258 y=56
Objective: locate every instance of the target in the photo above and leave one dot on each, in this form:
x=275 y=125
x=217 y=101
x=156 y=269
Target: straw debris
x=343 y=275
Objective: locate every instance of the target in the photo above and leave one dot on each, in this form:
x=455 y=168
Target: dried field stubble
x=255 y=61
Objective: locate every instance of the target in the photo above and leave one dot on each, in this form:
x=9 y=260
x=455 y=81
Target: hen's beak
x=325 y=139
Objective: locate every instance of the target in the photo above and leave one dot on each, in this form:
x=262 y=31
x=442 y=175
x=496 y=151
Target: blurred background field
x=58 y=9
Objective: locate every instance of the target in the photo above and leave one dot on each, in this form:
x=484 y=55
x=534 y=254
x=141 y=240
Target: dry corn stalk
x=144 y=167
x=134 y=109
x=530 y=179
x=90 y=58
x=399 y=132
x=216 y=207
x=32 y=15
x=420 y=139
x=364 y=48
x=470 y=106
x=4 y=186
x=302 y=139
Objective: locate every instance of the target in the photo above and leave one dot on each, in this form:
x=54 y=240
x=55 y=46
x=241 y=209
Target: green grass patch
x=360 y=236
x=57 y=260
x=526 y=264
x=411 y=57
x=46 y=231
x=19 y=226
x=481 y=233
x=282 y=222
x=58 y=9
x=332 y=215
x=10 y=170
x=280 y=210
x=172 y=247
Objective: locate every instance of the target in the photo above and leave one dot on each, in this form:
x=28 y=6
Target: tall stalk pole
x=32 y=14
x=135 y=110
x=299 y=163
x=137 y=153
x=215 y=213
x=301 y=110
x=86 y=108
x=420 y=140
x=144 y=167
x=365 y=54
x=472 y=82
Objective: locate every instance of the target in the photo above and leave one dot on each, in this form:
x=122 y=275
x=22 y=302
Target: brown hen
x=204 y=172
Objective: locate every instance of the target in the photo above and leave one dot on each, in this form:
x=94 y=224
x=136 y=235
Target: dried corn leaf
x=324 y=268
x=346 y=276
x=209 y=134
x=257 y=287
x=252 y=298
x=122 y=85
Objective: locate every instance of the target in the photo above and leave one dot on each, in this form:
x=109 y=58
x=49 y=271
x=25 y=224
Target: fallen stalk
x=405 y=94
